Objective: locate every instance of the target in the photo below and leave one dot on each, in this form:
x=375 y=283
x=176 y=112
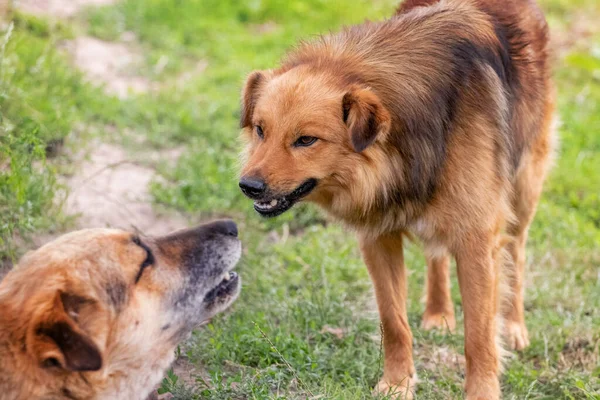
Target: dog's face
x=116 y=303
x=304 y=133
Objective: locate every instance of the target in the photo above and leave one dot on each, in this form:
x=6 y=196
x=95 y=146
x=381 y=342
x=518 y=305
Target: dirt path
x=108 y=187
x=110 y=64
x=58 y=8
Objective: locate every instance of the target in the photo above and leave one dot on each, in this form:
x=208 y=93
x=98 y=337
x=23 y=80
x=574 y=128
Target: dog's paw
x=482 y=395
x=441 y=321
x=516 y=335
x=403 y=390
x=488 y=389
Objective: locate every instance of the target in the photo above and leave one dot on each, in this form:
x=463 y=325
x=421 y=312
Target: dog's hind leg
x=439 y=310
x=527 y=189
x=385 y=261
x=513 y=313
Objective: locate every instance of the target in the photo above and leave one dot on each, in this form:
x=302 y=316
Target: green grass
x=42 y=100
x=302 y=275
x=26 y=189
x=36 y=113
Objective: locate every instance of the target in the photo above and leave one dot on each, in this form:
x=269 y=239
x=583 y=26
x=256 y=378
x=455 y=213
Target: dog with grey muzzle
x=98 y=313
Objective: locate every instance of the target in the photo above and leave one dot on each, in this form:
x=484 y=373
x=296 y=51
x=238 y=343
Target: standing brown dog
x=436 y=122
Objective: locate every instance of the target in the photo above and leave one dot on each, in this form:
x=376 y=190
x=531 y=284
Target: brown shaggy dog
x=437 y=122
x=97 y=314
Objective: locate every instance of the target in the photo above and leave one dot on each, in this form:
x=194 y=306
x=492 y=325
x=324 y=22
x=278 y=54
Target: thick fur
x=437 y=122
x=97 y=314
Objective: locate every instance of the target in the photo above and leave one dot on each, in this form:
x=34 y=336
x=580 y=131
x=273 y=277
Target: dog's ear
x=365 y=117
x=56 y=340
x=250 y=95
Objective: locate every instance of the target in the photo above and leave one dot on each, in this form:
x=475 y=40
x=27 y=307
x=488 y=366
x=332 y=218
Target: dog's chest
x=434 y=242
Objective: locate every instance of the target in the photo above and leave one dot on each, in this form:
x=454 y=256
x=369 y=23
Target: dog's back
x=523 y=36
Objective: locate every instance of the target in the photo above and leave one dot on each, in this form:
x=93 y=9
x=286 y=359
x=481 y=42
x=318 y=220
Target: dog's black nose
x=253 y=187
x=224 y=227
x=230 y=228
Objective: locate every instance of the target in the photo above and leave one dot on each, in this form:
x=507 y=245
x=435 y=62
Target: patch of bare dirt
x=109 y=64
x=109 y=189
x=4 y=9
x=337 y=332
x=582 y=353
x=58 y=8
x=441 y=359
x=115 y=65
x=189 y=373
x=112 y=65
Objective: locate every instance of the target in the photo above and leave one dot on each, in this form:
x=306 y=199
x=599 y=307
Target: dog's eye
x=259 y=132
x=305 y=141
x=51 y=362
x=148 y=261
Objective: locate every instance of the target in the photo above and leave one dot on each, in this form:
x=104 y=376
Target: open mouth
x=275 y=206
x=226 y=287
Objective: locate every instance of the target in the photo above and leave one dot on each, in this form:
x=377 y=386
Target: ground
x=124 y=113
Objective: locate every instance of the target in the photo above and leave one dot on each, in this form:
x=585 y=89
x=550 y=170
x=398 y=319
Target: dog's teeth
x=266 y=205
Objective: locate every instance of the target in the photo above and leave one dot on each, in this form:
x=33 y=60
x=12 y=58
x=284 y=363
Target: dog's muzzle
x=269 y=204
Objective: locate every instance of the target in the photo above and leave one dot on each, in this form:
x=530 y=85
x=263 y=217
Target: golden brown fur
x=437 y=122
x=97 y=314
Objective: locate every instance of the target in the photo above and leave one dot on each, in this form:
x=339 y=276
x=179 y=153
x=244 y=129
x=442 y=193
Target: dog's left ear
x=365 y=117
x=250 y=95
x=56 y=340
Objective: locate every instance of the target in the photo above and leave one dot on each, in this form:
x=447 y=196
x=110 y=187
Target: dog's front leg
x=385 y=261
x=478 y=280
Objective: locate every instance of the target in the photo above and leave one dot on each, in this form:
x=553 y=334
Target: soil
x=109 y=189
x=58 y=8
x=111 y=65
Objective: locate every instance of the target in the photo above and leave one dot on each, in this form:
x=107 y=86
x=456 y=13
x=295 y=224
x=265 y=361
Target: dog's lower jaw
x=275 y=206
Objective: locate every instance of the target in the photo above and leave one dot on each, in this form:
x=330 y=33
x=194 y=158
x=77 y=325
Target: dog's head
x=305 y=132
x=114 y=305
